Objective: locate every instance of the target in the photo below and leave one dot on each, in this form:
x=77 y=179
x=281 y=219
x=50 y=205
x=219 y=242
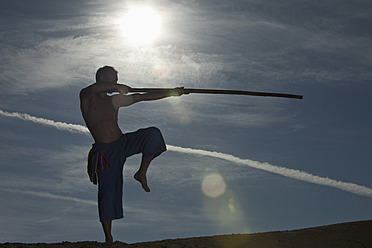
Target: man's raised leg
x=140 y=175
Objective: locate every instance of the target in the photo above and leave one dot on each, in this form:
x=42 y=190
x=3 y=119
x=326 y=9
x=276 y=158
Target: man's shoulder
x=86 y=92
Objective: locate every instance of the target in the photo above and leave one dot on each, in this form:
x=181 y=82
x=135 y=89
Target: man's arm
x=123 y=100
x=102 y=89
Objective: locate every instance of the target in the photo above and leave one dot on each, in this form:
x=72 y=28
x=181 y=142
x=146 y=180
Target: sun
x=141 y=25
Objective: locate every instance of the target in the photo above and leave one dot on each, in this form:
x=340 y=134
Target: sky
x=235 y=164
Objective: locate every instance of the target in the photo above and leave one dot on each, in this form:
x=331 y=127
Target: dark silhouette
x=100 y=103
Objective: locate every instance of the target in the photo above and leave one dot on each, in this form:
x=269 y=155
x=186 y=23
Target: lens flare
x=231 y=206
x=213 y=185
x=227 y=215
x=161 y=71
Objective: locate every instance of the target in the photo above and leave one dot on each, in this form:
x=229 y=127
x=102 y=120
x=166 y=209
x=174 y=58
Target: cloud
x=56 y=124
x=203 y=46
x=54 y=62
x=290 y=173
x=52 y=196
x=53 y=52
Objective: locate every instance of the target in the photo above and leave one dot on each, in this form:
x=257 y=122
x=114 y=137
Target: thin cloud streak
x=59 y=125
x=51 y=196
x=291 y=173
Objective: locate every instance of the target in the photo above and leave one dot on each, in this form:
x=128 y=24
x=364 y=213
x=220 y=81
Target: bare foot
x=109 y=240
x=143 y=180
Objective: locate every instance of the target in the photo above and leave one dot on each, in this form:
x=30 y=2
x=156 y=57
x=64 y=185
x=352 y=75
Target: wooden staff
x=228 y=92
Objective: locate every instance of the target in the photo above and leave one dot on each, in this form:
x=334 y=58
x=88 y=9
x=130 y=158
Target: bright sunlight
x=141 y=25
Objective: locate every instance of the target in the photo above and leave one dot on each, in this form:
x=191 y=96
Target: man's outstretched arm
x=157 y=95
x=123 y=100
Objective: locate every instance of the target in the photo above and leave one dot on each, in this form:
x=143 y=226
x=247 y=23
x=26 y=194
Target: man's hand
x=180 y=91
x=124 y=100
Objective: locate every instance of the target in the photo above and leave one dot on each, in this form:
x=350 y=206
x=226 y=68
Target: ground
x=351 y=235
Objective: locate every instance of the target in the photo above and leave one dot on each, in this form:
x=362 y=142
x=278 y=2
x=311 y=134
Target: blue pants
x=148 y=141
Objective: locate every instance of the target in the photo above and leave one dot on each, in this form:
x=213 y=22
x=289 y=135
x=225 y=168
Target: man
x=100 y=103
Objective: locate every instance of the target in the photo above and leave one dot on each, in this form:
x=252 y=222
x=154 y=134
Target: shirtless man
x=111 y=148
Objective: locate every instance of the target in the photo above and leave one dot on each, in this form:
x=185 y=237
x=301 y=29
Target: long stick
x=229 y=92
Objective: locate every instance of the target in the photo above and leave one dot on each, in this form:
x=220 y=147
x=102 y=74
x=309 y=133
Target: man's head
x=106 y=74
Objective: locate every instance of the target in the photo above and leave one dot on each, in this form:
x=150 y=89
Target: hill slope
x=346 y=235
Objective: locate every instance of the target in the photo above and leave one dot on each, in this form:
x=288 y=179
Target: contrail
x=59 y=125
x=51 y=196
x=291 y=173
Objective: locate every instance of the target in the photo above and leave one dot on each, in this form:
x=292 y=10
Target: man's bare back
x=100 y=112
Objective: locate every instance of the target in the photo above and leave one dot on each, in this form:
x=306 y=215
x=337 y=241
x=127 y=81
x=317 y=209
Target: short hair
x=103 y=71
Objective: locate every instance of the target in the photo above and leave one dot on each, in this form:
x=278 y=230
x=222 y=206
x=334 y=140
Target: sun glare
x=213 y=185
x=141 y=25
